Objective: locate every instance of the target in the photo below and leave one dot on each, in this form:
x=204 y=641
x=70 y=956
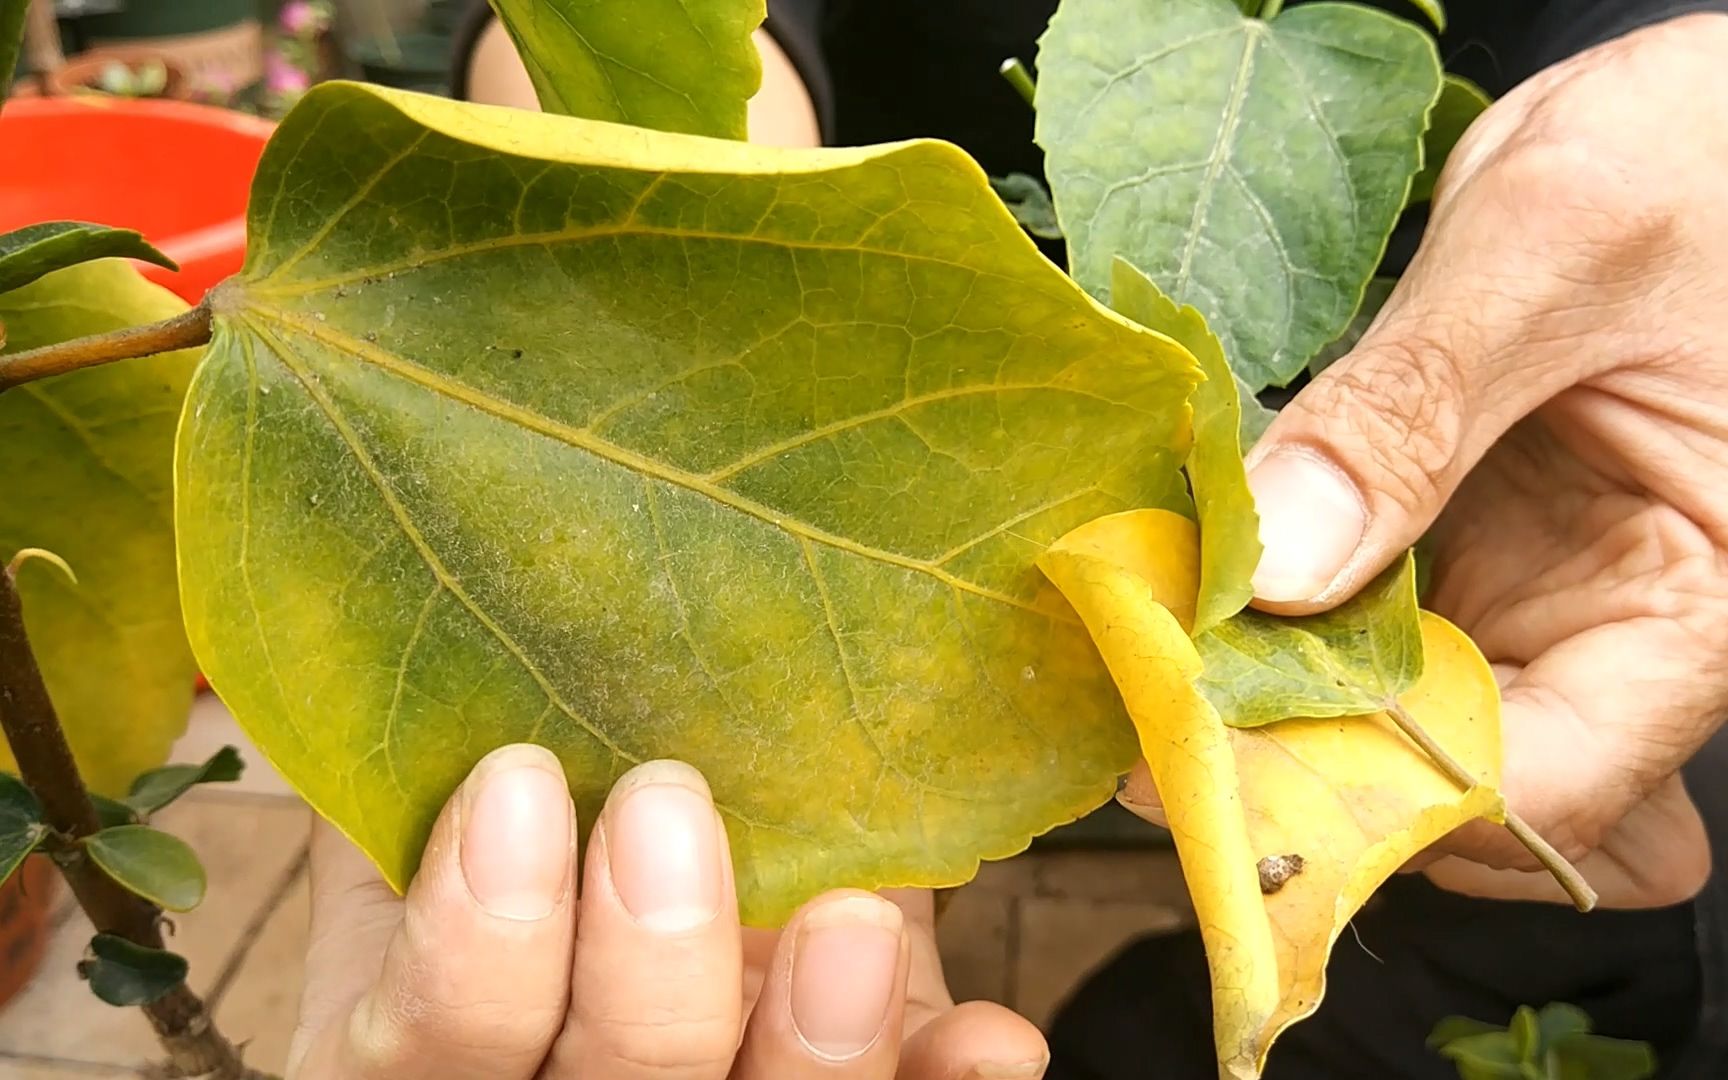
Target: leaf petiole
x=183 y=331
x=1583 y=896
x=1020 y=78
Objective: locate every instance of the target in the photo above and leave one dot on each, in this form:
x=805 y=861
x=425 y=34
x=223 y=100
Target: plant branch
x=183 y=1025
x=1583 y=896
x=181 y=332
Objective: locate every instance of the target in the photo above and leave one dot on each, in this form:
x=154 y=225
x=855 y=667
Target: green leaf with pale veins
x=159 y=787
x=124 y=974
x=703 y=450
x=1254 y=170
x=1461 y=102
x=1349 y=661
x=151 y=863
x=1373 y=300
x=28 y=253
x=1229 y=527
x=21 y=825
x=89 y=473
x=672 y=65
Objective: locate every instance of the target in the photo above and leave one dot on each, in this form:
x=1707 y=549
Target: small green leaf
x=706 y=450
x=1373 y=299
x=1491 y=1055
x=159 y=867
x=1457 y=1027
x=89 y=467
x=36 y=250
x=21 y=825
x=1349 y=661
x=1229 y=527
x=672 y=65
x=1461 y=102
x=112 y=812
x=1557 y=1020
x=1526 y=1034
x=124 y=974
x=159 y=787
x=1580 y=1056
x=1029 y=201
x=1253 y=169
x=1435 y=10
x=1256 y=418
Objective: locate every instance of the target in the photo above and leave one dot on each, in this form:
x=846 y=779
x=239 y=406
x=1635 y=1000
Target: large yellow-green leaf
x=1229 y=527
x=1349 y=661
x=690 y=448
x=88 y=460
x=671 y=65
x=1461 y=102
x=1253 y=169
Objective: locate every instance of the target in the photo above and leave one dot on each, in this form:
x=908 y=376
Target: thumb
x=1357 y=467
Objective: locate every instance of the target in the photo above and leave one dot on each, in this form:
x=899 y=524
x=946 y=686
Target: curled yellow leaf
x=1285 y=830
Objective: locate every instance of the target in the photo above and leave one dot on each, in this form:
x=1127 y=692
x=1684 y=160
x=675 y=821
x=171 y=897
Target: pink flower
x=299 y=17
x=281 y=77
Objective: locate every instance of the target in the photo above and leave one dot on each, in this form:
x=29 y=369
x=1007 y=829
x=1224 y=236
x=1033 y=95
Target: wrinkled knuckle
x=416 y=1030
x=1399 y=413
x=669 y=1045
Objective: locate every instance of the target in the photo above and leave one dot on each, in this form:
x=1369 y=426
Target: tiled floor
x=1023 y=933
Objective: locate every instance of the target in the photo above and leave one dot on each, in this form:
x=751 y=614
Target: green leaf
x=1252 y=169
x=1492 y=1055
x=1435 y=10
x=1461 y=102
x=1345 y=662
x=1229 y=527
x=1256 y=418
x=89 y=468
x=29 y=253
x=1556 y=1021
x=1579 y=1056
x=671 y=65
x=1526 y=1034
x=159 y=787
x=1029 y=201
x=124 y=974
x=711 y=451
x=1373 y=299
x=151 y=863
x=1457 y=1027
x=112 y=812
x=21 y=825
x=12 y=14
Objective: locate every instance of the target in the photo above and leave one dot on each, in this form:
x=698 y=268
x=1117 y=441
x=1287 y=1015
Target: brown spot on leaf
x=1276 y=870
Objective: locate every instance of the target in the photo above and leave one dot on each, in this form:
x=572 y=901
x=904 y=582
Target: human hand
x=496 y=966
x=1547 y=391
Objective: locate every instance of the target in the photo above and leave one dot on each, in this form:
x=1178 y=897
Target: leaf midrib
x=577 y=438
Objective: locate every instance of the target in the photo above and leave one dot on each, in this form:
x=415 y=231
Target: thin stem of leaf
x=181 y=332
x=1270 y=9
x=1020 y=78
x=45 y=763
x=1583 y=896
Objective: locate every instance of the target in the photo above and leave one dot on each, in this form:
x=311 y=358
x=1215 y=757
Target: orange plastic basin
x=178 y=173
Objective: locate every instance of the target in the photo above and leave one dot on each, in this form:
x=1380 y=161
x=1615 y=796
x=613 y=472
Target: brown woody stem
x=181 y=332
x=183 y=1025
x=1583 y=896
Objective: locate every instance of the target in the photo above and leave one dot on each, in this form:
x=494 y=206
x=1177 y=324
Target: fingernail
x=1021 y=1070
x=663 y=843
x=1311 y=520
x=844 y=968
x=516 y=833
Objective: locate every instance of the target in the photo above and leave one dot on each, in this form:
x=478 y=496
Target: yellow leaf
x=1351 y=797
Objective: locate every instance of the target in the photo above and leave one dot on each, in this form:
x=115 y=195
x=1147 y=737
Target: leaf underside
x=1254 y=170
x=127 y=975
x=732 y=454
x=1461 y=102
x=30 y=253
x=89 y=464
x=672 y=65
